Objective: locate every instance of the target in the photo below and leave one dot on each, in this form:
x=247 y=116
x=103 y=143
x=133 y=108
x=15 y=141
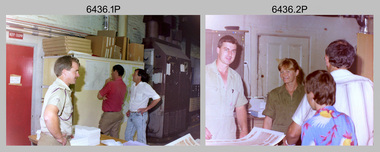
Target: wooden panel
x=363 y=64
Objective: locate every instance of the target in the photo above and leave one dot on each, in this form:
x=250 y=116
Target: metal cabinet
x=171 y=80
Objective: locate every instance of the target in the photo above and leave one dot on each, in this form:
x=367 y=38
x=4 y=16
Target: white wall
x=320 y=30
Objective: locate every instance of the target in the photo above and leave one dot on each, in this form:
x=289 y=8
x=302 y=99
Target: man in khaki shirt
x=224 y=94
x=56 y=115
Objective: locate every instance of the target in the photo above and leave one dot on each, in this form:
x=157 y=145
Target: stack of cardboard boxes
x=107 y=45
x=103 y=45
x=64 y=44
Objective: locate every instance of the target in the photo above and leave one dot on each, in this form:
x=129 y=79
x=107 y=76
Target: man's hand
x=128 y=113
x=108 y=80
x=142 y=110
x=62 y=140
x=208 y=134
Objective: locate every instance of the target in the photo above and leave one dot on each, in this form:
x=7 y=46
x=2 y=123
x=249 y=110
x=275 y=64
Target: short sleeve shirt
x=280 y=106
x=221 y=101
x=329 y=127
x=354 y=97
x=59 y=95
x=115 y=92
x=140 y=95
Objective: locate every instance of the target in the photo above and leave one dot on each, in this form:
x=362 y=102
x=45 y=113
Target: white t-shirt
x=354 y=97
x=140 y=95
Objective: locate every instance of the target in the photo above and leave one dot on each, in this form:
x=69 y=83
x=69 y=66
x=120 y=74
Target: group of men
x=57 y=110
x=225 y=95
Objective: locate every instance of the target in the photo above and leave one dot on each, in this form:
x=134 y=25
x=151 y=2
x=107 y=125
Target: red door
x=19 y=74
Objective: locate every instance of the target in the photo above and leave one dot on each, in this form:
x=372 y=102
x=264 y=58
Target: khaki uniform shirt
x=59 y=94
x=281 y=106
x=221 y=101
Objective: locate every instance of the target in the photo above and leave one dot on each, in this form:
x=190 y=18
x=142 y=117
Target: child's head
x=320 y=87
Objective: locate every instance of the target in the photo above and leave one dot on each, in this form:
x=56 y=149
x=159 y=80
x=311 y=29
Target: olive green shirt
x=280 y=106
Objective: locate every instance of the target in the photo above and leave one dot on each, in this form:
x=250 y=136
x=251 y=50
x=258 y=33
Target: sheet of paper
x=257 y=137
x=96 y=74
x=186 y=140
x=15 y=79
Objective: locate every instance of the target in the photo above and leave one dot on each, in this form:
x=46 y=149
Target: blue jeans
x=136 y=122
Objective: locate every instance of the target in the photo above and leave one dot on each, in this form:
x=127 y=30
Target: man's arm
x=293 y=134
x=150 y=106
x=99 y=96
x=241 y=114
x=52 y=123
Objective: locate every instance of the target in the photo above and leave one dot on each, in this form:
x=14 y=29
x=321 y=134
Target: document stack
x=85 y=136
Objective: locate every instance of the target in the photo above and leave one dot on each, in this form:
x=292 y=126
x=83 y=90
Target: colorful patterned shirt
x=329 y=127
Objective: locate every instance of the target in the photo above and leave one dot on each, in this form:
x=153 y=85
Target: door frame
x=36 y=105
x=258 y=49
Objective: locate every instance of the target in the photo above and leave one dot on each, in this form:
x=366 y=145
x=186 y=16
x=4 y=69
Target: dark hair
x=64 y=62
x=291 y=64
x=340 y=54
x=119 y=69
x=322 y=84
x=227 y=38
x=143 y=74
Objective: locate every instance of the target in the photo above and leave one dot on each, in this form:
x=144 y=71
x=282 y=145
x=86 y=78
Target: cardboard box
x=100 y=44
x=116 y=52
x=62 y=45
x=108 y=33
x=122 y=42
x=135 y=52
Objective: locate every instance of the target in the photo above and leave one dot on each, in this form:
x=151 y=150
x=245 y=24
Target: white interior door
x=273 y=48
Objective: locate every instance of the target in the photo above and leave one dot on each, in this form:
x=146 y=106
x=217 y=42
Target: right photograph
x=289 y=80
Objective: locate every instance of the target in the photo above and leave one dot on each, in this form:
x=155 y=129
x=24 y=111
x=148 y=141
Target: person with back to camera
x=283 y=101
x=354 y=95
x=328 y=126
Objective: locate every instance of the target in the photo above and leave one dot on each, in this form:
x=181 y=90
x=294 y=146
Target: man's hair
x=340 y=54
x=322 y=84
x=64 y=62
x=291 y=64
x=119 y=69
x=227 y=38
x=143 y=74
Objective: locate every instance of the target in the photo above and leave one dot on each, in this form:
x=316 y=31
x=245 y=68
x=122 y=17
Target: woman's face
x=288 y=76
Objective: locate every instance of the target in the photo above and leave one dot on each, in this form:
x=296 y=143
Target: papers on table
x=111 y=142
x=257 y=137
x=85 y=136
x=186 y=140
x=134 y=143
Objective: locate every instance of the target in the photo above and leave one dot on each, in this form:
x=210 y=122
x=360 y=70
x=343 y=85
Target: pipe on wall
x=42 y=30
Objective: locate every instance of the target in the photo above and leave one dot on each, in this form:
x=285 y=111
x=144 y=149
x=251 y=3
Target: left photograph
x=103 y=80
